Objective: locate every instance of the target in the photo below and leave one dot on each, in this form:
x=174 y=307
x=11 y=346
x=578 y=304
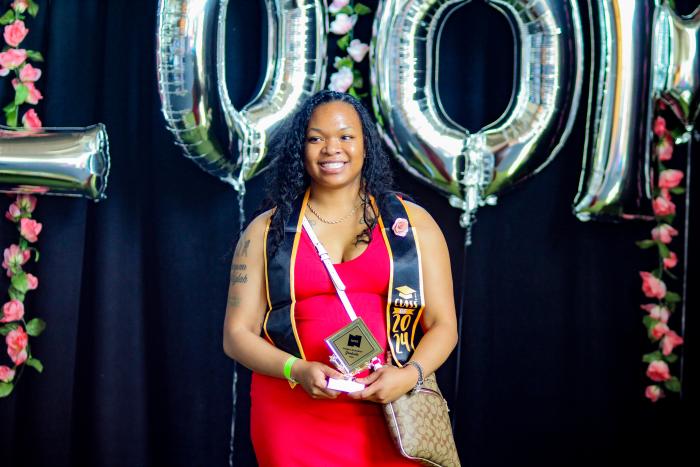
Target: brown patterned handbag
x=420 y=426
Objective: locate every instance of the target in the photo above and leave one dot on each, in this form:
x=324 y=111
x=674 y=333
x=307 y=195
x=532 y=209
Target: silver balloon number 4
x=642 y=51
x=472 y=169
x=192 y=81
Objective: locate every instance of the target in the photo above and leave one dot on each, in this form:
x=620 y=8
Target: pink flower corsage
x=400 y=227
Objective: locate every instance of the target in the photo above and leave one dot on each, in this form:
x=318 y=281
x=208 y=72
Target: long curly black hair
x=287 y=178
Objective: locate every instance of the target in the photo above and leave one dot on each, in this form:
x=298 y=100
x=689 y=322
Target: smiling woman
x=332 y=174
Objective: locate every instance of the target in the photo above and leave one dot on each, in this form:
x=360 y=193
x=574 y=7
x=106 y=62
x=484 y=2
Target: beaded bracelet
x=419 y=383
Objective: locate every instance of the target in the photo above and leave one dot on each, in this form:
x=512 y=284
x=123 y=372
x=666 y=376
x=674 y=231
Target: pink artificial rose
x=13 y=212
x=663 y=233
x=33 y=95
x=342 y=24
x=26 y=203
x=30 y=229
x=670 y=178
x=341 y=80
x=16 y=341
x=32 y=281
x=7 y=374
x=31 y=119
x=664 y=149
x=4 y=71
x=15 y=33
x=12 y=311
x=670 y=340
x=337 y=5
x=357 y=50
x=653 y=393
x=663 y=206
x=651 y=286
x=29 y=73
x=671 y=261
x=659 y=127
x=12 y=58
x=400 y=227
x=20 y=6
x=658 y=371
x=14 y=257
x=657 y=312
x=659 y=330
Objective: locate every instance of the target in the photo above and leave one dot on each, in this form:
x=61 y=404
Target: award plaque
x=353 y=347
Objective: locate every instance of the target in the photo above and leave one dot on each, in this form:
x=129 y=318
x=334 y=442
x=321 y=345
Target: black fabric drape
x=134 y=288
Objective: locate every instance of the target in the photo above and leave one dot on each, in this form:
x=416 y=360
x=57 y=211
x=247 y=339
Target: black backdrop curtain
x=134 y=288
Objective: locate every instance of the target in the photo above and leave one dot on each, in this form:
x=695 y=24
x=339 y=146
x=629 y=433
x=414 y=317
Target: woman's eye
x=313 y=139
x=346 y=137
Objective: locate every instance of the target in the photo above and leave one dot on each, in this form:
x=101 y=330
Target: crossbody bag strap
x=335 y=278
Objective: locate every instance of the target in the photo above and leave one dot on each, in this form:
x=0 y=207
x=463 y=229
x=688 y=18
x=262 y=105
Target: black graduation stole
x=405 y=300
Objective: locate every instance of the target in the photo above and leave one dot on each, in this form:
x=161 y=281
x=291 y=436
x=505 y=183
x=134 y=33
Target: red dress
x=288 y=427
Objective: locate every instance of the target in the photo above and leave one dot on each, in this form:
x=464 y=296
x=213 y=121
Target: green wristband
x=288 y=368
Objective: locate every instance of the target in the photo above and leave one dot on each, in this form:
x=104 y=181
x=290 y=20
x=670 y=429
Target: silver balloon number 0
x=473 y=168
x=192 y=81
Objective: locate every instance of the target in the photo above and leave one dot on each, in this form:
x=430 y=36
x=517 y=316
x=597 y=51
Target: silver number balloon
x=55 y=161
x=642 y=51
x=473 y=168
x=192 y=80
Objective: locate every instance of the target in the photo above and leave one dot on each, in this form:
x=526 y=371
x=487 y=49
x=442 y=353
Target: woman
x=331 y=169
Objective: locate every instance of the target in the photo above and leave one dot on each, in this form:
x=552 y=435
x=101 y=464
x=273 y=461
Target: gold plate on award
x=353 y=347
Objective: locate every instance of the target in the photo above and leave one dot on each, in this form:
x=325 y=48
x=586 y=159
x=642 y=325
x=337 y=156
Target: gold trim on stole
x=420 y=276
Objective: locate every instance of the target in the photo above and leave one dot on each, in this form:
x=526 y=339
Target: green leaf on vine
x=36 y=255
x=33 y=8
x=5 y=389
x=11 y=117
x=343 y=42
x=648 y=321
x=36 y=327
x=5 y=330
x=663 y=250
x=21 y=94
x=671 y=358
x=9 y=107
x=679 y=190
x=645 y=244
x=8 y=17
x=656 y=272
x=672 y=297
x=19 y=282
x=347 y=9
x=15 y=294
x=345 y=62
x=651 y=357
x=362 y=9
x=34 y=55
x=357 y=81
x=36 y=364
x=23 y=243
x=673 y=384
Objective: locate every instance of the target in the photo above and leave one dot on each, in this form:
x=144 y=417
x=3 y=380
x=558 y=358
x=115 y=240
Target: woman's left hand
x=387 y=384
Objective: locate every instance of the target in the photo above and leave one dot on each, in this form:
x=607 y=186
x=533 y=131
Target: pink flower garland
x=13 y=323
x=347 y=78
x=653 y=285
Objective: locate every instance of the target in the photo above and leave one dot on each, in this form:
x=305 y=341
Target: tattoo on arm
x=242 y=248
x=239 y=275
x=234 y=301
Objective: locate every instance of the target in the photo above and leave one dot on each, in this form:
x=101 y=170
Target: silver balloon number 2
x=192 y=81
x=642 y=51
x=473 y=168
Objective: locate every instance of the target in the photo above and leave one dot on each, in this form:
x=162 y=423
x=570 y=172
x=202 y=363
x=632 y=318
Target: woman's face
x=334 y=150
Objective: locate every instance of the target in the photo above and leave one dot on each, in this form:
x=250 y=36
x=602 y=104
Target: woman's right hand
x=313 y=376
